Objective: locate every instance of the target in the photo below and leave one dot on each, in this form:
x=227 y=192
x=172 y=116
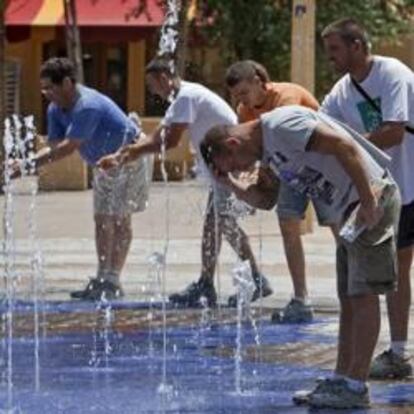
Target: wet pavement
x=110 y=358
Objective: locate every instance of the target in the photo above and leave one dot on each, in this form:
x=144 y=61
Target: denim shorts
x=292 y=205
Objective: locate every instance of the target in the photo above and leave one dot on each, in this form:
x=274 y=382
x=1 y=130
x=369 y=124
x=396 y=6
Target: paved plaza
x=63 y=228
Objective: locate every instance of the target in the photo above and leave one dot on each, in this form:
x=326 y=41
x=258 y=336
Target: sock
x=101 y=272
x=305 y=301
x=355 y=385
x=112 y=276
x=399 y=348
x=205 y=281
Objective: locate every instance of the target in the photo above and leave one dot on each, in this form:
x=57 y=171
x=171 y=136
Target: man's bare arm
x=145 y=145
x=56 y=152
x=387 y=135
x=51 y=153
x=259 y=188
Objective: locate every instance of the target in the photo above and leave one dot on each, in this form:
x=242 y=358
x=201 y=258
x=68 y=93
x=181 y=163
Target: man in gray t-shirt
x=334 y=165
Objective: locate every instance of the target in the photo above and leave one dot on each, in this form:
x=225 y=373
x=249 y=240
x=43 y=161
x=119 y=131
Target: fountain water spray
x=167 y=47
x=156 y=263
x=244 y=283
x=19 y=151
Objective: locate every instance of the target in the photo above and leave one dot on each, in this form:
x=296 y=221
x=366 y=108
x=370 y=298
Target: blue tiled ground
x=76 y=375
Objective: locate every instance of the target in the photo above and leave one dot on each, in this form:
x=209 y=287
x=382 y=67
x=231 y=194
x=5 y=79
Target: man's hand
x=14 y=168
x=109 y=161
x=257 y=187
x=369 y=212
x=114 y=160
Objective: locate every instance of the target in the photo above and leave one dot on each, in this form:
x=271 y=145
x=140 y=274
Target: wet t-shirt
x=286 y=134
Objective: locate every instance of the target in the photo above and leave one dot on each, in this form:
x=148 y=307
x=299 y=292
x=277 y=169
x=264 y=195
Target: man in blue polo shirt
x=82 y=119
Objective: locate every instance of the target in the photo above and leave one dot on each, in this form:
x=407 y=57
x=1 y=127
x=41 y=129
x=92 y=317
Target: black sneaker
x=190 y=296
x=263 y=289
x=98 y=289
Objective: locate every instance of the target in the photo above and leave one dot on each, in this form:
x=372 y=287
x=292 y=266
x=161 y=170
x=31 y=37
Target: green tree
x=250 y=29
x=383 y=19
x=261 y=29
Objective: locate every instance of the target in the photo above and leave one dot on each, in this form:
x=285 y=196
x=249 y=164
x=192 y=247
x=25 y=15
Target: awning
x=127 y=15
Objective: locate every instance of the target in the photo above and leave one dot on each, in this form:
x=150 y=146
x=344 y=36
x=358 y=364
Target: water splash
x=156 y=261
x=102 y=331
x=244 y=283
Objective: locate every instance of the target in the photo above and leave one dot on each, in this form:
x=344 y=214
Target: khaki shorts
x=122 y=191
x=369 y=264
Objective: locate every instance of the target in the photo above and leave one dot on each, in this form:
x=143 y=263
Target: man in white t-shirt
x=375 y=97
x=196 y=109
x=312 y=153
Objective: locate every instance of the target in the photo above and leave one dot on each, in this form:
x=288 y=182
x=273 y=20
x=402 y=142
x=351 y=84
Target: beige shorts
x=369 y=264
x=123 y=191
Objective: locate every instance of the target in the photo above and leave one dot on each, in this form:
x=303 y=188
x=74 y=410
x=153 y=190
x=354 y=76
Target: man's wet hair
x=213 y=144
x=350 y=31
x=245 y=70
x=161 y=65
x=57 y=69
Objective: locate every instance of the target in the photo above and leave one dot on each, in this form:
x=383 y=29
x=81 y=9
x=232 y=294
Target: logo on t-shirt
x=310 y=182
x=305 y=179
x=371 y=118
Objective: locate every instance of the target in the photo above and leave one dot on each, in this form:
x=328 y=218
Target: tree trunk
x=183 y=37
x=3 y=4
x=73 y=44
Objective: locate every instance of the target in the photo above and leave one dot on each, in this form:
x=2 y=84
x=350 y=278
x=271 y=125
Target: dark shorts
x=406 y=226
x=368 y=265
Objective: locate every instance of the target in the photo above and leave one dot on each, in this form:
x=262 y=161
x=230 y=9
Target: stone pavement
x=64 y=232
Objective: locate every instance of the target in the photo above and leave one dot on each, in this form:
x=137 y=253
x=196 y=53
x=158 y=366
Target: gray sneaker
x=390 y=365
x=302 y=397
x=294 y=312
x=336 y=394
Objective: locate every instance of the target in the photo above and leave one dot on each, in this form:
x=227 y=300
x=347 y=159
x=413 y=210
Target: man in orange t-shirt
x=256 y=99
x=254 y=94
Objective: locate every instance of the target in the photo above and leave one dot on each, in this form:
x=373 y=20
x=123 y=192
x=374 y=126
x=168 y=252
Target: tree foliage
x=250 y=29
x=261 y=29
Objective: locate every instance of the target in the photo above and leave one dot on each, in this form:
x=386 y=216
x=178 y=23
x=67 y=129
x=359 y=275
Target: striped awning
x=90 y=13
